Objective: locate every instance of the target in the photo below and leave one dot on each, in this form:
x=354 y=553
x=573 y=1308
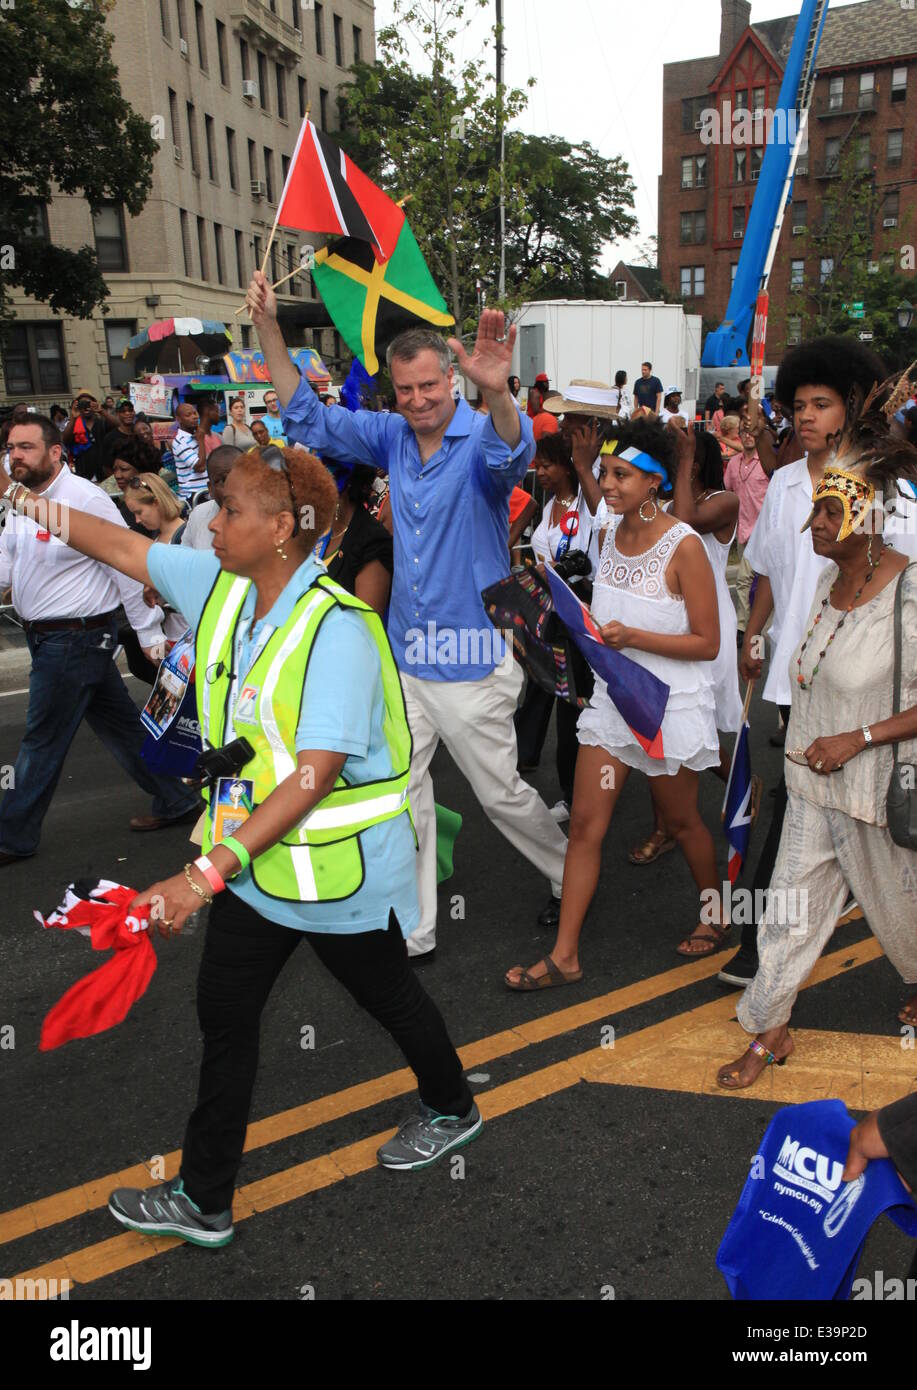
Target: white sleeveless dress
x=632 y=590
x=725 y=666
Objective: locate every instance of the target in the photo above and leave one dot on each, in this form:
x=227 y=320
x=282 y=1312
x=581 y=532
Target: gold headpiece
x=854 y=493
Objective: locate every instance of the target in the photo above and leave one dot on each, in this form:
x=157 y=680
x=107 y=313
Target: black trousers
x=532 y=719
x=764 y=871
x=243 y=956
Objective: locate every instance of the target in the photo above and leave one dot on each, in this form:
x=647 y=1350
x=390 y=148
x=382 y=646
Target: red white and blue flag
x=638 y=696
x=737 y=805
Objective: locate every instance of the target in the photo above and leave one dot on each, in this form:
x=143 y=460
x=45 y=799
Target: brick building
x=864 y=105
x=640 y=282
x=229 y=82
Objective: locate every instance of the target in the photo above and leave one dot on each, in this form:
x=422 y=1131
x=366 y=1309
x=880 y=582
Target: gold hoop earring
x=281 y=552
x=652 y=501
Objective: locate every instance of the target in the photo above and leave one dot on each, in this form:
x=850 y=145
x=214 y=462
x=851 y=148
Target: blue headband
x=646 y=463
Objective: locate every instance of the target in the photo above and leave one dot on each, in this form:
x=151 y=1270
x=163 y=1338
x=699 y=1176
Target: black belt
x=68 y=624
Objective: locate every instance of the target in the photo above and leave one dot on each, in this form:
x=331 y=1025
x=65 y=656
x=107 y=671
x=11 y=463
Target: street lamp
x=905 y=315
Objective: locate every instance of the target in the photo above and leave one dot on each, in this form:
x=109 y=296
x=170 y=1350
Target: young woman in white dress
x=654 y=599
x=701 y=500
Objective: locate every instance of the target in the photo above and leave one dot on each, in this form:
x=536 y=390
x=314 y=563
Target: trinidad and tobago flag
x=326 y=192
x=638 y=696
x=737 y=805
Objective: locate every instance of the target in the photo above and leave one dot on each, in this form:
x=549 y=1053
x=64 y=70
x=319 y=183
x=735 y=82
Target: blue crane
x=774 y=185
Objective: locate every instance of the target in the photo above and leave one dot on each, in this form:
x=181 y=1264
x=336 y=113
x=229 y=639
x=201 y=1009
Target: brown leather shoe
x=160 y=822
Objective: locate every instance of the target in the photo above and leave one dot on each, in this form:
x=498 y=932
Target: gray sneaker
x=167 y=1210
x=425 y=1137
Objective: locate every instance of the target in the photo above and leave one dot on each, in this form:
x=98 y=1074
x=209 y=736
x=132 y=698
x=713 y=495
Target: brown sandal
x=908 y=1013
x=651 y=848
x=554 y=978
x=717 y=941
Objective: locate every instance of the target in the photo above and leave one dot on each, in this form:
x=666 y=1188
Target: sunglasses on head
x=275 y=460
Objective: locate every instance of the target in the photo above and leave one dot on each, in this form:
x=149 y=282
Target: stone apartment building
x=865 y=102
x=229 y=81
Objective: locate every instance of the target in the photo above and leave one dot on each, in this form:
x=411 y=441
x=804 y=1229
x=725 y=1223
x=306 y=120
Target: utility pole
x=501 y=155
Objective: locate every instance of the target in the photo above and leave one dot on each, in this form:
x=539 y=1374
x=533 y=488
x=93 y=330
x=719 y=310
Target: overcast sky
x=598 y=65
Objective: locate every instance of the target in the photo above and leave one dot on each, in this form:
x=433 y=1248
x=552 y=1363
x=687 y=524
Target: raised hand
x=261 y=300
x=490 y=363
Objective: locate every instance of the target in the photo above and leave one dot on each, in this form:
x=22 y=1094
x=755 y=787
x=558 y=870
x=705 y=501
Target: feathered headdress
x=865 y=443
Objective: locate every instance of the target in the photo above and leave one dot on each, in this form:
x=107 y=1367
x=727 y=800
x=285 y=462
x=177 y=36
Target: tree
x=64 y=128
x=434 y=135
x=569 y=202
x=843 y=248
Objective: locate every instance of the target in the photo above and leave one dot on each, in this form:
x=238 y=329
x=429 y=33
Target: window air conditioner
x=699 y=125
x=259 y=188
x=183 y=47
x=798 y=231
x=889 y=222
x=755 y=175
x=249 y=89
x=737 y=236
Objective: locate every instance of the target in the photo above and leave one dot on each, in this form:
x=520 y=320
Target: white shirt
x=547 y=537
x=623 y=401
x=779 y=548
x=196 y=534
x=50 y=580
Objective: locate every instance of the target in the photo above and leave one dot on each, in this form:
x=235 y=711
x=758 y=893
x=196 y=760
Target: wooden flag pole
x=242 y=307
x=267 y=249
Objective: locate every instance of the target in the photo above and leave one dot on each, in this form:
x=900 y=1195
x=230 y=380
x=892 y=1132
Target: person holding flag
x=654 y=599
x=451 y=473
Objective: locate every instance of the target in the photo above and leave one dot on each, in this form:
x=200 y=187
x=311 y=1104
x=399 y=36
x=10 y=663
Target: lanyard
x=242 y=630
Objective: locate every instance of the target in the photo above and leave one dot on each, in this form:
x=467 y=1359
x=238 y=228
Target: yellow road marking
x=88 y=1196
x=863 y=1070
x=596 y=1064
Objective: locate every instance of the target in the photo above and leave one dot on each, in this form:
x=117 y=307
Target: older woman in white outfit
x=839 y=755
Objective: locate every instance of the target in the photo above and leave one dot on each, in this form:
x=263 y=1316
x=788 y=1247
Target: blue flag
x=639 y=697
x=737 y=805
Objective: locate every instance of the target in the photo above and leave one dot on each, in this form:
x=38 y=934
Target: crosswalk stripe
x=123 y=1251
x=88 y=1196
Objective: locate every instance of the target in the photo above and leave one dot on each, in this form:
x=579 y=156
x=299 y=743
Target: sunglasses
x=275 y=460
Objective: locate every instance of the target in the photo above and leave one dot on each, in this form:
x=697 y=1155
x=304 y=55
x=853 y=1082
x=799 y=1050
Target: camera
x=574 y=565
x=223 y=762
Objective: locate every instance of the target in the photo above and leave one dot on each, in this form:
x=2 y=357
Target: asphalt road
x=581 y=1183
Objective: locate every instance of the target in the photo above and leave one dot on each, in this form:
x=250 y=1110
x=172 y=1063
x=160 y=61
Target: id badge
x=232 y=806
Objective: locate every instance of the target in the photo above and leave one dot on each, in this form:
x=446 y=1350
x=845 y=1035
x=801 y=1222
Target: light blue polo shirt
x=342 y=712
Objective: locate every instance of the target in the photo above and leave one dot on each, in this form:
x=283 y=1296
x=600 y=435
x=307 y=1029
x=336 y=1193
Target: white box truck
x=595 y=338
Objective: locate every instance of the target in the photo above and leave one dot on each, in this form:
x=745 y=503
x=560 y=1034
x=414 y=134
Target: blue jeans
x=74 y=677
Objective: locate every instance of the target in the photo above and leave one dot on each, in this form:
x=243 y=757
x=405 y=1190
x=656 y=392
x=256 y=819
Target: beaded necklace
x=800 y=679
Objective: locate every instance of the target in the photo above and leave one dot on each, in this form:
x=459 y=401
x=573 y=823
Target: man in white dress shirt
x=69 y=605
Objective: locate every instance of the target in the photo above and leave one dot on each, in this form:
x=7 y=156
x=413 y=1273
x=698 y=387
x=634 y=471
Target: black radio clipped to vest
x=223 y=762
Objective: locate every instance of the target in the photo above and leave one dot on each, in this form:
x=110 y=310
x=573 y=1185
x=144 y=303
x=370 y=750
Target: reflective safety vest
x=321 y=859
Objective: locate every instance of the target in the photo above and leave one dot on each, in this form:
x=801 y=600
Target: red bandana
x=104 y=997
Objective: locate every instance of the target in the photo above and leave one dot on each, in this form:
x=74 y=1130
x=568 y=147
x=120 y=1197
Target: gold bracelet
x=15 y=494
x=208 y=897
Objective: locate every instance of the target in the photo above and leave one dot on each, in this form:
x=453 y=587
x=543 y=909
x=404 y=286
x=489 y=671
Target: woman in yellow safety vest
x=309 y=829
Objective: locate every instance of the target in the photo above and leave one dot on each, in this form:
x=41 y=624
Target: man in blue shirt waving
x=451 y=472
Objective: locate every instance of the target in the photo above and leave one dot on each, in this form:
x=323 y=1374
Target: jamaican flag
x=371 y=303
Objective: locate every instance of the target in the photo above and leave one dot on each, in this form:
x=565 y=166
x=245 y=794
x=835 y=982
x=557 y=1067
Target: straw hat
x=584 y=398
